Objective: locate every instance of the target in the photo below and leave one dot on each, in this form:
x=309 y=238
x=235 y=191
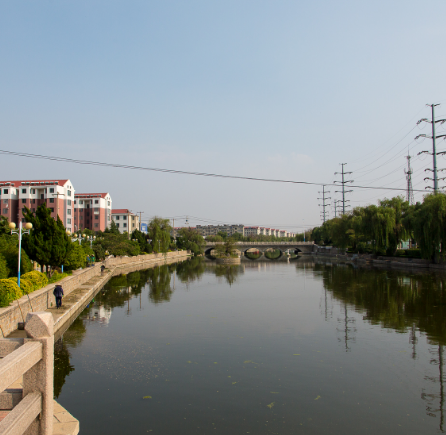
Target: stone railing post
x=39 y=327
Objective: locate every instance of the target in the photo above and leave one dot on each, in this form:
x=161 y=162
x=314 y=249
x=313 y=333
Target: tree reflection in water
x=228 y=272
x=400 y=300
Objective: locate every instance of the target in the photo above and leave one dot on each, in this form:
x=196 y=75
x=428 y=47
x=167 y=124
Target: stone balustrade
x=32 y=358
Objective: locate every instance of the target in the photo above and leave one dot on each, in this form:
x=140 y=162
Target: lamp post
x=78 y=238
x=20 y=232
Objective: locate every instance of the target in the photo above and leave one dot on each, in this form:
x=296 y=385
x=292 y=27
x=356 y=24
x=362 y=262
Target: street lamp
x=75 y=239
x=20 y=232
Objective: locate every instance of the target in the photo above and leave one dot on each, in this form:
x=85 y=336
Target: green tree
x=113 y=229
x=226 y=249
x=9 y=249
x=141 y=238
x=188 y=238
x=159 y=233
x=48 y=243
x=77 y=258
x=4 y=271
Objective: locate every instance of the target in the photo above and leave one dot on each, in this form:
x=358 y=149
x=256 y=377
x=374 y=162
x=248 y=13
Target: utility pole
x=140 y=219
x=434 y=148
x=409 y=172
x=323 y=205
x=343 y=183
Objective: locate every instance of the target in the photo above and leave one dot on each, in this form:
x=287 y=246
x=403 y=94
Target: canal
x=267 y=347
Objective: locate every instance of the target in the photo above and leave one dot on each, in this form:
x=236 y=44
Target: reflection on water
x=354 y=306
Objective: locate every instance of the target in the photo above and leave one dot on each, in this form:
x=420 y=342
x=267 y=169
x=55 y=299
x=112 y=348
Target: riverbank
x=78 y=288
x=380 y=261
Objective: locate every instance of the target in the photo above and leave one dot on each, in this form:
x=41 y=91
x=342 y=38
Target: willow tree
x=158 y=231
x=428 y=221
x=400 y=232
x=377 y=225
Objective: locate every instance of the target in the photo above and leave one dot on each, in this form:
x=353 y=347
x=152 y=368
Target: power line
x=174 y=171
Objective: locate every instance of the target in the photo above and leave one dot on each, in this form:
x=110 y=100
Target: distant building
x=92 y=211
x=213 y=230
x=57 y=195
x=251 y=231
x=125 y=220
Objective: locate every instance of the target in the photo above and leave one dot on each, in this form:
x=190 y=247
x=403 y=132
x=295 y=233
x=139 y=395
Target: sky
x=269 y=89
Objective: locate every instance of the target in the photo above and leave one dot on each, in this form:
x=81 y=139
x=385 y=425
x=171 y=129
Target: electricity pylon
x=323 y=205
x=343 y=183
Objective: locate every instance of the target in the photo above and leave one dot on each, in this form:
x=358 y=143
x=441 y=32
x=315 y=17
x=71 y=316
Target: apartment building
x=251 y=231
x=125 y=220
x=213 y=230
x=92 y=211
x=57 y=195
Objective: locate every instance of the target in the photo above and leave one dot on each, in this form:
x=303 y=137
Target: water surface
x=269 y=347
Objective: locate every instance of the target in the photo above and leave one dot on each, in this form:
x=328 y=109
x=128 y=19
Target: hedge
x=9 y=291
x=58 y=276
x=25 y=285
x=38 y=279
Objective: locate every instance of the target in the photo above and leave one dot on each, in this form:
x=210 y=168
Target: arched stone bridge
x=304 y=247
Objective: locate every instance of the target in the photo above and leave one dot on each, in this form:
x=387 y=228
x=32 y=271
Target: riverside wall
x=42 y=299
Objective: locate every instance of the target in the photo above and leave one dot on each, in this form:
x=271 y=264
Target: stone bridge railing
x=283 y=246
x=33 y=358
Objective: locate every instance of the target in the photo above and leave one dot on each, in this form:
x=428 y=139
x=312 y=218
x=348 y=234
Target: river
x=267 y=347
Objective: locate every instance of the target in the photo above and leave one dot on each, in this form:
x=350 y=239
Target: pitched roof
x=17 y=183
x=121 y=211
x=91 y=195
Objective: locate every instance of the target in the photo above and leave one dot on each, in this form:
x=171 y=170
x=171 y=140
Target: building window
x=5 y=191
x=69 y=211
x=96 y=209
x=96 y=217
x=117 y=225
x=23 y=201
x=117 y=218
x=81 y=218
x=133 y=218
x=33 y=210
x=52 y=210
x=69 y=202
x=74 y=201
x=96 y=201
x=51 y=189
x=69 y=193
x=23 y=190
x=108 y=202
x=81 y=202
x=68 y=221
x=124 y=225
x=52 y=200
x=5 y=211
x=34 y=201
x=96 y=225
x=33 y=191
x=5 y=201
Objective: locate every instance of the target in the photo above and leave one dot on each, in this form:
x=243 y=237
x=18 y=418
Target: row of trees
x=381 y=228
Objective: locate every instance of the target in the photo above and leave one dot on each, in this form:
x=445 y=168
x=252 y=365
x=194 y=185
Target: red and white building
x=125 y=220
x=251 y=231
x=92 y=211
x=57 y=195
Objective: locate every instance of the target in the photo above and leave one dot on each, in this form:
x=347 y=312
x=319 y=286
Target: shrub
x=25 y=285
x=9 y=291
x=38 y=279
x=4 y=271
x=58 y=276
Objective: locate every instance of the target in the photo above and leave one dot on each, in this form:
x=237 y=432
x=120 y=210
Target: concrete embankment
x=379 y=261
x=78 y=289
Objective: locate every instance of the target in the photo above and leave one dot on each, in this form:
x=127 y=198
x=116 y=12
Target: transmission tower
x=343 y=183
x=434 y=148
x=335 y=203
x=324 y=204
x=409 y=172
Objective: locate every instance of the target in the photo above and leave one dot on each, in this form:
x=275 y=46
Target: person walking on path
x=58 y=293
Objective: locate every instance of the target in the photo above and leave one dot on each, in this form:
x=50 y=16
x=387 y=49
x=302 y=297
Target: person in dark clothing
x=58 y=293
x=102 y=269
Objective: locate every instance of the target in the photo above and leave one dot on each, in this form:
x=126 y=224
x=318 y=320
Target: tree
x=158 y=231
x=9 y=249
x=77 y=258
x=113 y=229
x=115 y=244
x=188 y=238
x=4 y=271
x=400 y=232
x=48 y=243
x=141 y=238
x=226 y=249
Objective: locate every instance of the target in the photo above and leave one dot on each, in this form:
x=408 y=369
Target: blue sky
x=283 y=89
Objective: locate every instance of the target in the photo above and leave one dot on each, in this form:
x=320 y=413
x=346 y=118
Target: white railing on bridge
x=32 y=358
